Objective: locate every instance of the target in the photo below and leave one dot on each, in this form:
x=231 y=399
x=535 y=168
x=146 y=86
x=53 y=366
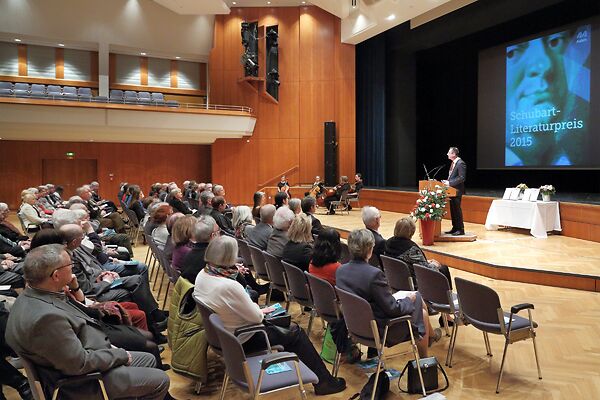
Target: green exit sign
x=70 y=154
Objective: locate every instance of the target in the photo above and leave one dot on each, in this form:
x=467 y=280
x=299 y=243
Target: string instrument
x=314 y=191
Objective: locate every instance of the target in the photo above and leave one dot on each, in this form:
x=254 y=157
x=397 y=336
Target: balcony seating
x=84 y=94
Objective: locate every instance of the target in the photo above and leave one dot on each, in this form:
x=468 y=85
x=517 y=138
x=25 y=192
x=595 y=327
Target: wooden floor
x=569 y=326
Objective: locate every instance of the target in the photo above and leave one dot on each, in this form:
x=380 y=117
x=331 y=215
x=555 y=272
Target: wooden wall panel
x=59 y=61
x=290 y=133
x=22 y=54
x=94 y=66
x=143 y=70
x=144 y=164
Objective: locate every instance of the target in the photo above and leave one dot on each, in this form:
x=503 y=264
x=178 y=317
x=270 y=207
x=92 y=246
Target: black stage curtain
x=370 y=110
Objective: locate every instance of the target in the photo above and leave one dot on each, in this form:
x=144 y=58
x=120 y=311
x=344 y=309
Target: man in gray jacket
x=63 y=341
x=258 y=235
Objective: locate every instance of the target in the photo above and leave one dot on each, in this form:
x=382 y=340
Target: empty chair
x=130 y=97
x=158 y=99
x=38 y=90
x=327 y=306
x=298 y=288
x=6 y=89
x=362 y=327
x=116 y=96
x=21 y=89
x=436 y=292
x=54 y=91
x=260 y=267
x=277 y=276
x=144 y=98
x=245 y=253
x=249 y=373
x=84 y=94
x=480 y=306
x=69 y=93
x=397 y=274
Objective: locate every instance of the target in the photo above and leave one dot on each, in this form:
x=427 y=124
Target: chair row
x=55 y=92
x=147 y=98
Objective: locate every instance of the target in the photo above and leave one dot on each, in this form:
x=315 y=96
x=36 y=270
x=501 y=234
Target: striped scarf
x=226 y=272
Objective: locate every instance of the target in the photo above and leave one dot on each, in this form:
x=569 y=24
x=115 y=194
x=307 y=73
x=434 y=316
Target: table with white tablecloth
x=537 y=216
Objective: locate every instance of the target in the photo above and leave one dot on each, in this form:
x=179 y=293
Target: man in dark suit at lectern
x=456 y=179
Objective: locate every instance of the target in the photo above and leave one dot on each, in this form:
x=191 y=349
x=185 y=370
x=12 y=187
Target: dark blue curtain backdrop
x=370 y=110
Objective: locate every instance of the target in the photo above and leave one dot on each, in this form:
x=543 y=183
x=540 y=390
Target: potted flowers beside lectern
x=547 y=191
x=521 y=187
x=430 y=207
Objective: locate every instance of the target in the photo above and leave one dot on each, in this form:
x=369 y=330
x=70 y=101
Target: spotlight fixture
x=142 y=54
x=17 y=40
x=177 y=57
x=61 y=45
x=234 y=3
x=390 y=17
x=268 y=2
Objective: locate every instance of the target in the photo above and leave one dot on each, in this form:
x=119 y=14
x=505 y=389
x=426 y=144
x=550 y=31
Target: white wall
x=138 y=25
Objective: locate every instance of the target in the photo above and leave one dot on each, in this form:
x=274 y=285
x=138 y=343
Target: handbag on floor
x=429 y=369
x=383 y=387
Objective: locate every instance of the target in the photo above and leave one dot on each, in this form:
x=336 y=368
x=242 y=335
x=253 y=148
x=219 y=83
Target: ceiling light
x=142 y=54
x=61 y=44
x=17 y=40
x=177 y=57
x=234 y=3
x=390 y=17
x=303 y=2
x=268 y=2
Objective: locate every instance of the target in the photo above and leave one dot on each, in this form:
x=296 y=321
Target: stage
x=512 y=255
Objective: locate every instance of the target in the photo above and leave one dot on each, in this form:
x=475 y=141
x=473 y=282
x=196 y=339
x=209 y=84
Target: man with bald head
x=258 y=236
x=64 y=341
x=108 y=285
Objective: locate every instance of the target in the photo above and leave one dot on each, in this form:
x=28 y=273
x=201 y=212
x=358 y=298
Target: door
x=70 y=174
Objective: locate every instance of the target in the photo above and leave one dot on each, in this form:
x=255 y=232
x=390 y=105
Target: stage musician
x=342 y=187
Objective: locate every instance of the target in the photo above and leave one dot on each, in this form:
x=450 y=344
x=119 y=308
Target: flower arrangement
x=430 y=204
x=547 y=189
x=522 y=187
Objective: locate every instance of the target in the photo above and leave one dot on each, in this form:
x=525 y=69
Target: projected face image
x=547 y=99
x=536 y=77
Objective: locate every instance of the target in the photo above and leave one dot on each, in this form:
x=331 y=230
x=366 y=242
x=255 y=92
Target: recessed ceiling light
x=177 y=57
x=268 y=2
x=142 y=54
x=390 y=17
x=234 y=3
x=17 y=40
x=303 y=2
x=61 y=44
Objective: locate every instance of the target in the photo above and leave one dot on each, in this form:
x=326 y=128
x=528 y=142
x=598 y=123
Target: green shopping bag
x=328 y=350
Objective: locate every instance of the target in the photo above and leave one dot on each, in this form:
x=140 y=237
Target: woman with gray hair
x=216 y=287
x=32 y=218
x=242 y=218
x=298 y=251
x=369 y=282
x=175 y=201
x=295 y=205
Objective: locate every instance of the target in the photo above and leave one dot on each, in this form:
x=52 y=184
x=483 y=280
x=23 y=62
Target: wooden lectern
x=429 y=185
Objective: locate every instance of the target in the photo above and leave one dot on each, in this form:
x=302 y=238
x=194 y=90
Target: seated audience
x=205 y=230
x=9 y=375
x=216 y=287
x=298 y=250
x=218 y=209
x=369 y=282
x=402 y=247
x=41 y=321
x=170 y=245
x=11 y=272
x=281 y=223
x=107 y=218
x=42 y=201
x=295 y=205
x=108 y=285
x=205 y=202
x=309 y=207
x=326 y=255
x=242 y=219
x=258 y=235
x=259 y=200
x=281 y=199
x=372 y=219
x=175 y=201
x=150 y=224
x=158 y=218
x=95 y=188
x=181 y=235
x=135 y=203
x=32 y=217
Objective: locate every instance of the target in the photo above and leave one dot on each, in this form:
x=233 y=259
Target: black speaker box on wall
x=330 y=154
